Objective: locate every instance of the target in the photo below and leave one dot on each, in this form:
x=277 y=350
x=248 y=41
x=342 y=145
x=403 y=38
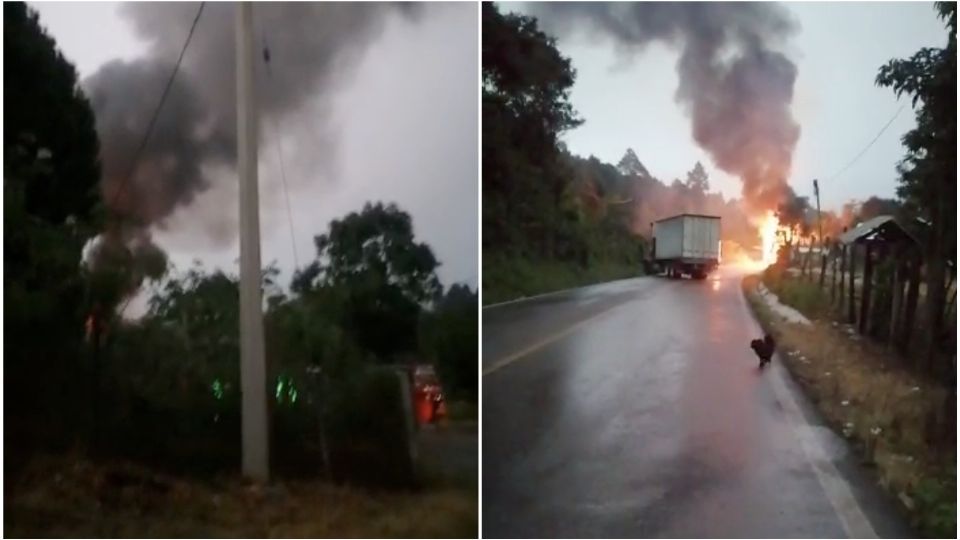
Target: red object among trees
x=429 y=405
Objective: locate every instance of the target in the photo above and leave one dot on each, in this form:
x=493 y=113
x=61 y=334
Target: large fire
x=772 y=237
x=769 y=241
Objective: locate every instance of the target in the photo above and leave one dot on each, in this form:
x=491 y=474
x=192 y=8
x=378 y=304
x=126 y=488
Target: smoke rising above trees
x=312 y=50
x=735 y=84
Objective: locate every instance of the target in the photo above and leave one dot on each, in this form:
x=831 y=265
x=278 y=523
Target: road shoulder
x=842 y=390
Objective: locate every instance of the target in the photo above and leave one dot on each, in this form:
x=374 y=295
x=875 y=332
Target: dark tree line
x=51 y=209
x=899 y=288
x=165 y=388
x=540 y=202
x=928 y=172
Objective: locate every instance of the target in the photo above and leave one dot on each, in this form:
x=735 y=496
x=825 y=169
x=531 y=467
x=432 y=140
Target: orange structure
x=428 y=402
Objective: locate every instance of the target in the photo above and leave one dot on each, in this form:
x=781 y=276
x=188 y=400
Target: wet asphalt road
x=636 y=409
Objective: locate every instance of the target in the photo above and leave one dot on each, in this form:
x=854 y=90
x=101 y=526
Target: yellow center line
x=507 y=360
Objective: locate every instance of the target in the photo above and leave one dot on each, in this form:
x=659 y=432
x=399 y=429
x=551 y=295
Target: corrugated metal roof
x=687 y=214
x=883 y=228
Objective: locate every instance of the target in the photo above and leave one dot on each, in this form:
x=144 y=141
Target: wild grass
x=73 y=497
x=864 y=393
x=803 y=295
x=509 y=278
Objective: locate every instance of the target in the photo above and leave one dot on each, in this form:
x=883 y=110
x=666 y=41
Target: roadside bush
x=937 y=504
x=507 y=277
x=448 y=337
x=803 y=295
x=161 y=405
x=367 y=427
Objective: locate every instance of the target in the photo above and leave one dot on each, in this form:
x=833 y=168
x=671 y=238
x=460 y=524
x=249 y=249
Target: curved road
x=635 y=408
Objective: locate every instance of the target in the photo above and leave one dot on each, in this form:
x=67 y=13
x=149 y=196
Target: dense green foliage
x=569 y=220
x=449 y=336
x=385 y=274
x=164 y=389
x=928 y=173
x=927 y=187
x=50 y=212
x=541 y=204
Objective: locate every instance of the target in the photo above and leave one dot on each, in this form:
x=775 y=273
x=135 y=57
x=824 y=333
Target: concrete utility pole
x=253 y=386
x=823 y=254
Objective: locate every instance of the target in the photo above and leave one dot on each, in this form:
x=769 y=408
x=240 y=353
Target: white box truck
x=687 y=244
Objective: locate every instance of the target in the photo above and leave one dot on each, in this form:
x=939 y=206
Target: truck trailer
x=687 y=244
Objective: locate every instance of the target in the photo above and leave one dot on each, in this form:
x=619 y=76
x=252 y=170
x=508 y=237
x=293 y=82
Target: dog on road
x=764 y=348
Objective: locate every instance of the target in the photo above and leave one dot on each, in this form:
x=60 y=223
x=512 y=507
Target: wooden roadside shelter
x=880 y=239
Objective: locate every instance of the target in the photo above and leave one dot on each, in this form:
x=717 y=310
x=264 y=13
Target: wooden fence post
x=866 y=288
x=843 y=276
x=852 y=304
x=897 y=294
x=833 y=275
x=913 y=294
x=823 y=264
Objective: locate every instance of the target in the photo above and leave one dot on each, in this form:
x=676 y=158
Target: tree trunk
x=866 y=288
x=950 y=301
x=950 y=297
x=934 y=304
x=937 y=274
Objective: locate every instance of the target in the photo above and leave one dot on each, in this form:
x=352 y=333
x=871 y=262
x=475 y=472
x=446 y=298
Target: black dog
x=764 y=348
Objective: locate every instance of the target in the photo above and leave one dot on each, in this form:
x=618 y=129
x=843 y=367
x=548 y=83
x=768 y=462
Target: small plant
x=937 y=506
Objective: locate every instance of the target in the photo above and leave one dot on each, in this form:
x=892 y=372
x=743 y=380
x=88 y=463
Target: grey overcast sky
x=406 y=125
x=628 y=101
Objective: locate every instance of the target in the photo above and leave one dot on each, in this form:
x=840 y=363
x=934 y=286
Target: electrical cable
x=156 y=113
x=283 y=173
x=870 y=144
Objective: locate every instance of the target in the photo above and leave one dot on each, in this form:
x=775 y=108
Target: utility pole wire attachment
x=283 y=172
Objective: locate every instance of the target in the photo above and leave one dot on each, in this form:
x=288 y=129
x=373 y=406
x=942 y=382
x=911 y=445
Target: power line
x=283 y=173
x=156 y=112
x=864 y=151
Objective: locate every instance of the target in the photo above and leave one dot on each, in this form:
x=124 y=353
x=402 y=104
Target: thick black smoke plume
x=735 y=86
x=313 y=47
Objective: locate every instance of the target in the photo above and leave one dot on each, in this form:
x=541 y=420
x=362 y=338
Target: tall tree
x=450 y=337
x=526 y=84
x=928 y=172
x=51 y=206
x=388 y=276
x=878 y=206
x=698 y=180
x=47 y=120
x=630 y=165
x=697 y=187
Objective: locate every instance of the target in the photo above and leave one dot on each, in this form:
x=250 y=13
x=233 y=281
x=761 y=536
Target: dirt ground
x=70 y=496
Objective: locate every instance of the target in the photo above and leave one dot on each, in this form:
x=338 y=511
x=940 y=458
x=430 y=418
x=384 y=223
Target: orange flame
x=768 y=238
x=773 y=235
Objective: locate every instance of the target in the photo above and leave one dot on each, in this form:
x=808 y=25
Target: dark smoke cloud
x=735 y=86
x=313 y=47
